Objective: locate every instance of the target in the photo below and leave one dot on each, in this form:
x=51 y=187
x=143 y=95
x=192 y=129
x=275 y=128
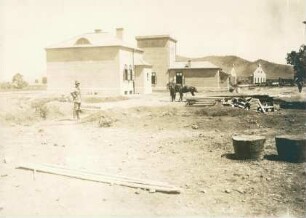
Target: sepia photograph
x=153 y=108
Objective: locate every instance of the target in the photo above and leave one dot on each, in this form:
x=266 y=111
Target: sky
x=251 y=29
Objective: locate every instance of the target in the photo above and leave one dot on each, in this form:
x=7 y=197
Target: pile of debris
x=260 y=103
x=249 y=103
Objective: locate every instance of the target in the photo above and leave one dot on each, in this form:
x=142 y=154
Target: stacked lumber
x=254 y=102
x=203 y=101
x=149 y=185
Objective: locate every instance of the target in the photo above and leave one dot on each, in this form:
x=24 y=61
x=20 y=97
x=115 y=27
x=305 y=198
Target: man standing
x=76 y=96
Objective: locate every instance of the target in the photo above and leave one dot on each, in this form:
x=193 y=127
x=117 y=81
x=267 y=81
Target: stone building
x=201 y=74
x=103 y=63
x=106 y=64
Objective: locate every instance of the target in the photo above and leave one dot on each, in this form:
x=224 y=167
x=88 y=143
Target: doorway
x=179 y=78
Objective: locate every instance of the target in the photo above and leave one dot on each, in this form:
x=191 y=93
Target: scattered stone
x=104 y=199
x=137 y=192
x=240 y=191
x=268 y=179
x=194 y=126
x=203 y=191
x=4 y=175
x=227 y=191
x=152 y=190
x=40 y=130
x=299 y=199
x=55 y=144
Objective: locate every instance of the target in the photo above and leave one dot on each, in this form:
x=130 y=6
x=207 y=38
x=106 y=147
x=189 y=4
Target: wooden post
x=291 y=148
x=248 y=146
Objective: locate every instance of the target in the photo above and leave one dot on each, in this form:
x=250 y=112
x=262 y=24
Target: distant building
x=201 y=74
x=103 y=63
x=233 y=76
x=259 y=76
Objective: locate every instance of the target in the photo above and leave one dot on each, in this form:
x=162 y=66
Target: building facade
x=259 y=76
x=160 y=51
x=201 y=74
x=104 y=64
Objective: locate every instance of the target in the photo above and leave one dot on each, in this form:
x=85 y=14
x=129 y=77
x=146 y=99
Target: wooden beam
x=100 y=177
x=262 y=108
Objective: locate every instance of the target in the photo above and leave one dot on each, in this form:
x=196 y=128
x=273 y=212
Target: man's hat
x=77 y=82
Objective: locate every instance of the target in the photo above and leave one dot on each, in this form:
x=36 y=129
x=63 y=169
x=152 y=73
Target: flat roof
x=193 y=65
x=155 y=37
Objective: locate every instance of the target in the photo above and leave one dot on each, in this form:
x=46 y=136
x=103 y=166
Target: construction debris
x=260 y=103
x=148 y=185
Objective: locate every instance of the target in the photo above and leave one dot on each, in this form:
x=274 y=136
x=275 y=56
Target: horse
x=174 y=88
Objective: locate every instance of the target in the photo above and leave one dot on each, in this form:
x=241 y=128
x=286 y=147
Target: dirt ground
x=152 y=138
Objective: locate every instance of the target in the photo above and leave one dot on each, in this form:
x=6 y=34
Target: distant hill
x=246 y=68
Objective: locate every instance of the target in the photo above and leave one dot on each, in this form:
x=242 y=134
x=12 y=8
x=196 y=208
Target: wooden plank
x=260 y=105
x=111 y=176
x=90 y=176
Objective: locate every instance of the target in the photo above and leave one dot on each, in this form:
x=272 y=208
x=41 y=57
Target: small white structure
x=259 y=76
x=233 y=76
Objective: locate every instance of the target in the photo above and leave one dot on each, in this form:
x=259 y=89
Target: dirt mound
x=218 y=110
x=110 y=116
x=56 y=109
x=26 y=110
x=99 y=99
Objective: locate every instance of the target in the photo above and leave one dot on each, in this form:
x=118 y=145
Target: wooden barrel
x=248 y=146
x=291 y=148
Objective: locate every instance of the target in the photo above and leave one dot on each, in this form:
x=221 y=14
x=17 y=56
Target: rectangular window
x=130 y=74
x=130 y=77
x=153 y=78
x=126 y=74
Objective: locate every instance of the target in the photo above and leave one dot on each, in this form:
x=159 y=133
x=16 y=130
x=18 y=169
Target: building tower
x=160 y=51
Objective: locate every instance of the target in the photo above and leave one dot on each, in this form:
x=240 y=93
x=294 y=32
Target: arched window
x=82 y=41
